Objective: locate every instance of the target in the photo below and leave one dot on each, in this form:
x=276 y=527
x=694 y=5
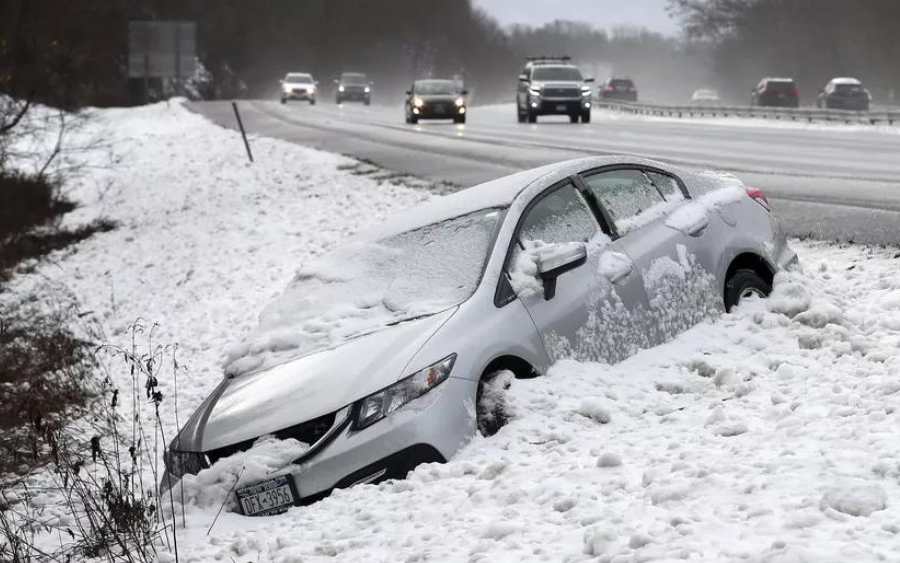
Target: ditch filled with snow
x=770 y=434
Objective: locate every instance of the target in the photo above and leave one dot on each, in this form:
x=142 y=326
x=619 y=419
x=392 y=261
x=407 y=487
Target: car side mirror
x=523 y=78
x=464 y=93
x=557 y=260
x=588 y=79
x=409 y=92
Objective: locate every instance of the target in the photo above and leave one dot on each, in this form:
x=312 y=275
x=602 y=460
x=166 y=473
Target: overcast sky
x=602 y=13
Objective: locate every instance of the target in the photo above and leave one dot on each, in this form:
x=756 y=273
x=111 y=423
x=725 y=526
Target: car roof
x=299 y=74
x=777 y=79
x=846 y=80
x=499 y=193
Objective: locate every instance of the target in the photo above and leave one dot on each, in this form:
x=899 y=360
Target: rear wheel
x=491 y=407
x=745 y=284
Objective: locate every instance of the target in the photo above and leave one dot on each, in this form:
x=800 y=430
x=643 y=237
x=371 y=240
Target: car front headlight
x=286 y=87
x=340 y=88
x=367 y=89
x=179 y=463
x=534 y=91
x=312 y=89
x=378 y=405
x=460 y=102
x=418 y=102
x=585 y=90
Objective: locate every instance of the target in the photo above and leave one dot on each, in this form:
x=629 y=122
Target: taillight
x=759 y=197
x=609 y=89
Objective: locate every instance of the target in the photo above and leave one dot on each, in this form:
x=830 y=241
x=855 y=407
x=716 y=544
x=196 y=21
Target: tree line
x=810 y=40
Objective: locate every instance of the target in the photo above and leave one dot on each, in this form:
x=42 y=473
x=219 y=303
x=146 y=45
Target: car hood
x=439 y=97
x=299 y=85
x=558 y=84
x=248 y=406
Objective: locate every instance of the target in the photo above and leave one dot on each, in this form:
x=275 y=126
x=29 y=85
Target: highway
x=829 y=182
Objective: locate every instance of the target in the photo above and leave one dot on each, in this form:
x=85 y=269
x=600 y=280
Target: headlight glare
x=383 y=403
x=460 y=102
x=418 y=102
x=367 y=89
x=340 y=88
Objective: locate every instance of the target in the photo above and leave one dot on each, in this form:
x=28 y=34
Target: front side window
x=628 y=196
x=561 y=216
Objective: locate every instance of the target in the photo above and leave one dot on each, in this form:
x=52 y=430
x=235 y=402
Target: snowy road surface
x=832 y=181
x=769 y=435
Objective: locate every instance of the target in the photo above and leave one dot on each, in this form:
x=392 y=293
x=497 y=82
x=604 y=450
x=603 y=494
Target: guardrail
x=810 y=115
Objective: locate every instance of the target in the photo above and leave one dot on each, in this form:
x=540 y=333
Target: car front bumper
x=429 y=429
x=295 y=95
x=566 y=106
x=439 y=111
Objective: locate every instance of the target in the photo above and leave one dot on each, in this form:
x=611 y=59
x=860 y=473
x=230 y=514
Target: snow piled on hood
x=767 y=435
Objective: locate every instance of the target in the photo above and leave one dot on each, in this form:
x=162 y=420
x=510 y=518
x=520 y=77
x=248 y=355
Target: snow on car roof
x=499 y=193
x=777 y=79
x=846 y=80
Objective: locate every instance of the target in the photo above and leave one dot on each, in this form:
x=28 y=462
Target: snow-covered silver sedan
x=394 y=349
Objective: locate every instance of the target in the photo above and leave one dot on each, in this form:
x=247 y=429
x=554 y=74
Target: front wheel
x=460 y=119
x=492 y=410
x=283 y=100
x=532 y=117
x=312 y=101
x=586 y=117
x=745 y=284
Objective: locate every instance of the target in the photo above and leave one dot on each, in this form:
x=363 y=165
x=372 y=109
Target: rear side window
x=560 y=216
x=628 y=196
x=667 y=186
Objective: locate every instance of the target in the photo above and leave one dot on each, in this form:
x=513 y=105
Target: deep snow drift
x=767 y=435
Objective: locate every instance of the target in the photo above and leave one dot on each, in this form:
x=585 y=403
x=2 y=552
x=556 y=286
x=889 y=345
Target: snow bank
x=733 y=442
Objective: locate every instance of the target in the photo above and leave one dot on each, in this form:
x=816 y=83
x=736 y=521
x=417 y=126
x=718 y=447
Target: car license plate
x=560 y=108
x=269 y=497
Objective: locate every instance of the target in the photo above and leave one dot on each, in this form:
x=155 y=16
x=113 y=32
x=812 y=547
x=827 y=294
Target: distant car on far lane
x=619 y=89
x=705 y=96
x=436 y=99
x=776 y=92
x=298 y=86
x=353 y=87
x=844 y=93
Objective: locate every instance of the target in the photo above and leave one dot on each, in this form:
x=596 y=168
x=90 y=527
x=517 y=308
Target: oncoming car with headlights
x=298 y=86
x=397 y=348
x=436 y=99
x=353 y=87
x=553 y=86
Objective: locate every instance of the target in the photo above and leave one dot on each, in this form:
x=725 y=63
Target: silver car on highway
x=396 y=349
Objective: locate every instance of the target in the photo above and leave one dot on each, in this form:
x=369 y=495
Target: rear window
x=848 y=88
x=781 y=86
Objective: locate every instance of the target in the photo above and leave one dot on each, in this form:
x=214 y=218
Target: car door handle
x=698 y=228
x=615 y=266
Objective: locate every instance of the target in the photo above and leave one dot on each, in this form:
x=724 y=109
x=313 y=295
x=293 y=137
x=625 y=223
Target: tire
x=367 y=102
x=573 y=118
x=459 y=120
x=338 y=101
x=532 y=118
x=586 y=117
x=413 y=120
x=743 y=284
x=491 y=408
x=520 y=116
x=312 y=101
x=283 y=100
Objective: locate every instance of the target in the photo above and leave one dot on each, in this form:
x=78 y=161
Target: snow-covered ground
x=768 y=435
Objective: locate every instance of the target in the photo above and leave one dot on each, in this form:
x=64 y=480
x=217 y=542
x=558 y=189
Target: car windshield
x=352 y=78
x=437 y=87
x=298 y=77
x=556 y=73
x=367 y=286
x=621 y=84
